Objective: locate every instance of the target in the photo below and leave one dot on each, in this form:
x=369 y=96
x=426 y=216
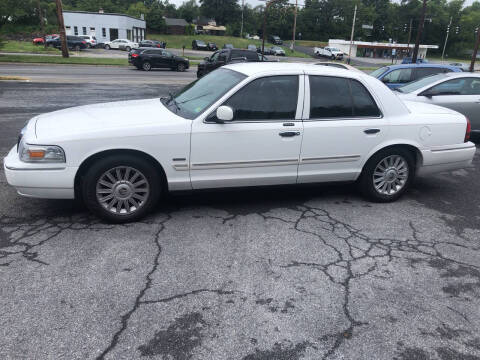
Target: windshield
x=193 y=99
x=413 y=86
x=378 y=72
x=334 y=49
x=199 y=42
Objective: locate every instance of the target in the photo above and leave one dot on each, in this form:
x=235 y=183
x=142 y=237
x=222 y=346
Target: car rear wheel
x=146 y=66
x=121 y=189
x=128 y=48
x=387 y=174
x=107 y=47
x=181 y=67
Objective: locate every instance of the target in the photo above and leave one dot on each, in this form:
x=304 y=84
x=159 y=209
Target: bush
x=190 y=29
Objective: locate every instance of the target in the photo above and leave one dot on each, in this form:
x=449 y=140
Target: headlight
x=40 y=153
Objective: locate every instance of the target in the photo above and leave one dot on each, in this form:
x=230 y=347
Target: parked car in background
x=274 y=39
x=339 y=66
x=212 y=46
x=152 y=43
x=252 y=37
x=276 y=50
x=397 y=75
x=224 y=57
x=199 y=45
x=463 y=67
x=121 y=44
x=228 y=46
x=40 y=41
x=408 y=60
x=150 y=58
x=329 y=52
x=456 y=91
x=90 y=39
x=242 y=125
x=264 y=58
x=73 y=42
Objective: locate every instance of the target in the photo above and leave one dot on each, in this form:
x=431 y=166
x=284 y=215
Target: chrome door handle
x=289 y=133
x=371 y=131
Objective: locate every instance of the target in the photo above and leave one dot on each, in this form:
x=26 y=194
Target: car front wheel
x=121 y=189
x=128 y=48
x=388 y=174
x=146 y=66
x=181 y=67
x=107 y=47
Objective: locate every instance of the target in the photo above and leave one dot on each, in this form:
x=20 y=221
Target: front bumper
x=446 y=158
x=49 y=181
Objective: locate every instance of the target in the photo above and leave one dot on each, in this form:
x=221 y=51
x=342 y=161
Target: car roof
x=427 y=65
x=251 y=69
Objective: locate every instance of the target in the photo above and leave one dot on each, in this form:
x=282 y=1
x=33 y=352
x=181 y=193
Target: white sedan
x=244 y=124
x=124 y=44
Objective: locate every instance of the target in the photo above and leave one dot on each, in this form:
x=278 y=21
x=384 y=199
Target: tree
x=189 y=10
x=223 y=11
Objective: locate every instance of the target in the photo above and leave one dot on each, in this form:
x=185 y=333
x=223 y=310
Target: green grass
x=311 y=43
x=177 y=41
x=26 y=47
x=71 y=60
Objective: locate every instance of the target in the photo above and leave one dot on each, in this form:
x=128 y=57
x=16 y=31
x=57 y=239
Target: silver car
x=457 y=91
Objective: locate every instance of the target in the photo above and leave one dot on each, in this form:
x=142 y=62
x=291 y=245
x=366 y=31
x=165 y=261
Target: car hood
x=104 y=119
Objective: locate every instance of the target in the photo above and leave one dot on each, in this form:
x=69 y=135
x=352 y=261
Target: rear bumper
x=49 y=181
x=446 y=158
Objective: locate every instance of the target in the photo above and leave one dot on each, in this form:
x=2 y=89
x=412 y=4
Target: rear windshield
x=415 y=85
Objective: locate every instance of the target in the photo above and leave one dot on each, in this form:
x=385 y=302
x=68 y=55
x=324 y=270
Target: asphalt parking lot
x=261 y=274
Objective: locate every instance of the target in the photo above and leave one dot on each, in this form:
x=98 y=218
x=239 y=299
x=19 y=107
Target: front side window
x=267 y=98
x=193 y=99
x=399 y=76
x=334 y=97
x=460 y=86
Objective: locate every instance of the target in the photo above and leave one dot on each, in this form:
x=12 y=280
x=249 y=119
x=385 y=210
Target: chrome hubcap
x=122 y=190
x=390 y=175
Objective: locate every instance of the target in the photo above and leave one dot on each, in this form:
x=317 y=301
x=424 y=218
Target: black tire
x=181 y=67
x=128 y=48
x=367 y=181
x=107 y=47
x=96 y=171
x=332 y=57
x=146 y=66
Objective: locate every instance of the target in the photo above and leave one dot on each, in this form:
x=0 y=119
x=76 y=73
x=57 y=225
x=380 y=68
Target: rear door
x=342 y=124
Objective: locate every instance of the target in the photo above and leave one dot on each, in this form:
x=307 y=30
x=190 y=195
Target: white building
x=378 y=49
x=104 y=26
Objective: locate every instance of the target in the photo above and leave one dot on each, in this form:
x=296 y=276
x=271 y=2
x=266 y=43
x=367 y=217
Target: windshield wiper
x=195 y=98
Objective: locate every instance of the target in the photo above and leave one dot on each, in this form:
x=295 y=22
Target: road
x=284 y=273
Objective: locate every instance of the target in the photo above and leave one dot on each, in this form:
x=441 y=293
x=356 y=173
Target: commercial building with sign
x=104 y=26
x=378 y=49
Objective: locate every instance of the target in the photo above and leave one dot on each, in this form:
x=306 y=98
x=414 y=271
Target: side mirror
x=427 y=94
x=225 y=113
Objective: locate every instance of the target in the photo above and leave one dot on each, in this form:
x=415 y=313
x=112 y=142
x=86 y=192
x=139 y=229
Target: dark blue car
x=398 y=75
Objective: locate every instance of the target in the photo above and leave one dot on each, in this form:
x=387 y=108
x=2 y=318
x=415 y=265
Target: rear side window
x=332 y=97
x=424 y=72
x=267 y=98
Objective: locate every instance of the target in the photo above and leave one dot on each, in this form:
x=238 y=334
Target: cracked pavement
x=282 y=273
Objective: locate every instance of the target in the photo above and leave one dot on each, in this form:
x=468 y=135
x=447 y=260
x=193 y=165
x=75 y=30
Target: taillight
x=84 y=42
x=158 y=45
x=134 y=55
x=467 y=132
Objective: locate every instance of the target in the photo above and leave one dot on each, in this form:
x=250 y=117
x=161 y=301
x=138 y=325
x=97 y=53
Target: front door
x=342 y=125
x=461 y=94
x=261 y=146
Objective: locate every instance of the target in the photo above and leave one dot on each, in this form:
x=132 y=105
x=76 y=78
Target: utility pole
x=241 y=26
x=409 y=36
x=294 y=25
x=61 y=28
x=42 y=23
x=446 y=37
x=475 y=50
x=419 y=32
x=351 y=35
